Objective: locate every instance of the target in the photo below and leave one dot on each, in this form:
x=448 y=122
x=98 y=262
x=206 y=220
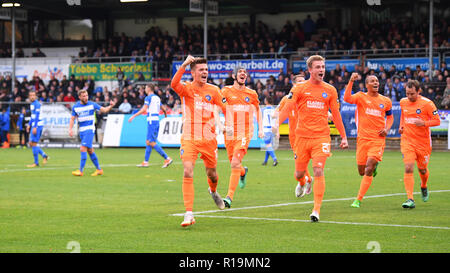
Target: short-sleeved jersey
x=267 y=120
x=85 y=114
x=154 y=104
x=198 y=106
x=313 y=102
x=422 y=108
x=370 y=114
x=241 y=106
x=292 y=115
x=36 y=119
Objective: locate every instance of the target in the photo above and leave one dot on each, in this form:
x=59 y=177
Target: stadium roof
x=112 y=9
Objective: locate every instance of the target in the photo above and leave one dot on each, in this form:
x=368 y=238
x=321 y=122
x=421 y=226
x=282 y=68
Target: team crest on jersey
x=247 y=99
x=418 y=111
x=381 y=106
x=181 y=151
x=224 y=100
x=208 y=97
x=324 y=95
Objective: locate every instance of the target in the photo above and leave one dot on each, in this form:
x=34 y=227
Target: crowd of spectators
x=130 y=97
x=241 y=40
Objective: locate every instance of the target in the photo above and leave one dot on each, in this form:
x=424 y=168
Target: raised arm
x=176 y=80
x=348 y=89
x=337 y=120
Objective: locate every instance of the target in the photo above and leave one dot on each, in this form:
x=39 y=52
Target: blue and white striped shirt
x=267 y=120
x=154 y=104
x=36 y=120
x=85 y=114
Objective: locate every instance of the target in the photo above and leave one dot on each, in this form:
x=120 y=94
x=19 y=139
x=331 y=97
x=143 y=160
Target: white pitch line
x=201 y=213
x=327 y=222
x=301 y=203
x=60 y=167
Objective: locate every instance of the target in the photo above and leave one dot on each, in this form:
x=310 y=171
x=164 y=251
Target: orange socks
x=308 y=175
x=212 y=185
x=188 y=193
x=302 y=181
x=408 y=179
x=234 y=181
x=424 y=179
x=365 y=184
x=319 y=190
x=242 y=171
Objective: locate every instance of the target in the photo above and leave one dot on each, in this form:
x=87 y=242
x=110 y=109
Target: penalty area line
x=302 y=203
x=326 y=222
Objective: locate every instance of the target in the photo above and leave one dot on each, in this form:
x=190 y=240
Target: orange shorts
x=412 y=153
x=190 y=149
x=366 y=148
x=237 y=147
x=317 y=149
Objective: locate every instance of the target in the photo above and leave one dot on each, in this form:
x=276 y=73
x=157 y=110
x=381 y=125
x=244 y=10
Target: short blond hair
x=314 y=58
x=81 y=92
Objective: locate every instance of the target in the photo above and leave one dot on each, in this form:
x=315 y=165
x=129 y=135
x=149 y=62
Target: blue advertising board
x=121 y=133
x=329 y=65
x=258 y=69
x=400 y=63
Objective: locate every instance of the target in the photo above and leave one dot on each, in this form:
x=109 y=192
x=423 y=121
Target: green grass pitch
x=131 y=209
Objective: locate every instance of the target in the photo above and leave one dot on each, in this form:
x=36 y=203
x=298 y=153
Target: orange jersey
x=287 y=110
x=424 y=109
x=240 y=107
x=198 y=107
x=312 y=102
x=370 y=114
x=290 y=112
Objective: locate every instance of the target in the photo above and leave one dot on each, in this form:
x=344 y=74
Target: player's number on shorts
x=326 y=147
x=244 y=141
x=374 y=246
x=74 y=246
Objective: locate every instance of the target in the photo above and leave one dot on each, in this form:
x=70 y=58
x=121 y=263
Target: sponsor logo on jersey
x=373 y=112
x=315 y=104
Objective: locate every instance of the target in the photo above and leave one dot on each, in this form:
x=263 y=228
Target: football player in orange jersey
x=199 y=100
x=242 y=104
x=281 y=113
x=313 y=98
x=374 y=120
x=418 y=115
